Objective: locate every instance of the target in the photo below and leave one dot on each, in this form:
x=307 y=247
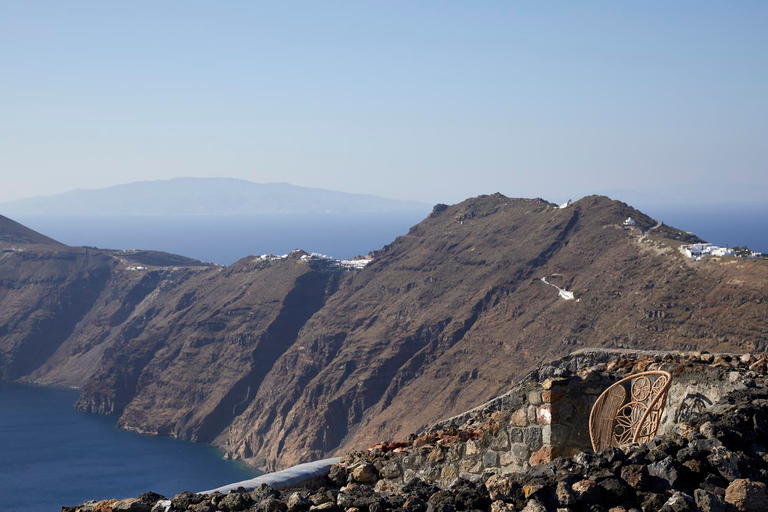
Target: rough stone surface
x=747 y=495
x=664 y=474
x=131 y=505
x=679 y=502
x=636 y=475
x=338 y=475
x=297 y=501
x=708 y=501
x=365 y=473
x=687 y=468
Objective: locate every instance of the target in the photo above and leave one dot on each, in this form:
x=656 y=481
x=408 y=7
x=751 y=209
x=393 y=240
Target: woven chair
x=618 y=421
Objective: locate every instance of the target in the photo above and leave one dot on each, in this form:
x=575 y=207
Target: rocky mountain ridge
x=283 y=361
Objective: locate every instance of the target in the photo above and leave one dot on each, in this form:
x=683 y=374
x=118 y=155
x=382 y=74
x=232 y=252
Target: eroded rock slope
x=292 y=359
x=453 y=312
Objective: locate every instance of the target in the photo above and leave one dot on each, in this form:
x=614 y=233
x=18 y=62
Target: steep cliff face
x=451 y=313
x=61 y=307
x=195 y=354
x=43 y=296
x=283 y=360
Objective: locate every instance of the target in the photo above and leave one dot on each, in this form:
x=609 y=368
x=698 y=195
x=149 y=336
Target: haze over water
x=225 y=239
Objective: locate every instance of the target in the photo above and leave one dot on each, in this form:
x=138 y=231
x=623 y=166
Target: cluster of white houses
x=698 y=251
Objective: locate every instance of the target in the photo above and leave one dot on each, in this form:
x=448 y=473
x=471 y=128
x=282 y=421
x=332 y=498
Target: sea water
x=53 y=456
x=225 y=239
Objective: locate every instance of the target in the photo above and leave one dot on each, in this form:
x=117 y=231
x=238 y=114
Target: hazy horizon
x=407 y=101
x=729 y=194
x=224 y=220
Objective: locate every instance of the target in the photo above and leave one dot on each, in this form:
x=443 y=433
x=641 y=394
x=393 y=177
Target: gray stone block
x=521 y=451
x=490 y=459
x=532 y=438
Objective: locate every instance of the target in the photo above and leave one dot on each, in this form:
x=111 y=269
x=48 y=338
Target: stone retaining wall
x=546 y=415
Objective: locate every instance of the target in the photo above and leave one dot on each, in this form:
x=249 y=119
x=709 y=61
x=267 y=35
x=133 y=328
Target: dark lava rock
x=636 y=475
x=338 y=475
x=664 y=474
x=184 y=500
x=345 y=500
x=651 y=500
x=694 y=469
x=608 y=457
x=150 y=498
x=708 y=502
x=662 y=450
x=394 y=501
x=414 y=504
x=361 y=497
x=263 y=492
x=271 y=504
x=235 y=502
x=420 y=488
x=322 y=496
x=203 y=506
x=725 y=462
x=534 y=506
x=613 y=491
x=441 y=501
x=468 y=498
x=679 y=502
x=586 y=491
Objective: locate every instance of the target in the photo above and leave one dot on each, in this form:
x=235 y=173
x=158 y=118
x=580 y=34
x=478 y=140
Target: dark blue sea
x=53 y=455
x=722 y=225
x=226 y=239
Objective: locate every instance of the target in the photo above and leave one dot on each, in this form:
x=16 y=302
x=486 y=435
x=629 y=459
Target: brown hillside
x=61 y=307
x=198 y=352
x=451 y=313
x=287 y=360
x=11 y=232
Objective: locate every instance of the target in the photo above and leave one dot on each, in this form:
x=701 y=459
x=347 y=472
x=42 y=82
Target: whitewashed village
x=701 y=250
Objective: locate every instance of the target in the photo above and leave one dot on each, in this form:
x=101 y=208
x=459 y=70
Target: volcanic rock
x=282 y=360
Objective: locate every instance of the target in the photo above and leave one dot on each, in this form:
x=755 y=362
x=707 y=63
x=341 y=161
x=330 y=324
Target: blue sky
x=411 y=100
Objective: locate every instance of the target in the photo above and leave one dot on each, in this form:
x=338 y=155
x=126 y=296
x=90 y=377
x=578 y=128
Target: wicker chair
x=616 y=421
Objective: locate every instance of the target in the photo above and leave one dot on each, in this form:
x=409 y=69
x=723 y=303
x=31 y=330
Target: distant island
x=206 y=196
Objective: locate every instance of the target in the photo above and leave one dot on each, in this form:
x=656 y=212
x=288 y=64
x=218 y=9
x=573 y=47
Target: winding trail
x=644 y=235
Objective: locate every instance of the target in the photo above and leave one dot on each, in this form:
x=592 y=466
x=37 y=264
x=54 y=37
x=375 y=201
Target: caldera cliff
x=284 y=360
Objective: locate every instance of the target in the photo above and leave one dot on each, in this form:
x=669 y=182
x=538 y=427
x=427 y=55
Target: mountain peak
x=15 y=233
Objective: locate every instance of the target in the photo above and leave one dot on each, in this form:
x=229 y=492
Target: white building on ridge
x=698 y=251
